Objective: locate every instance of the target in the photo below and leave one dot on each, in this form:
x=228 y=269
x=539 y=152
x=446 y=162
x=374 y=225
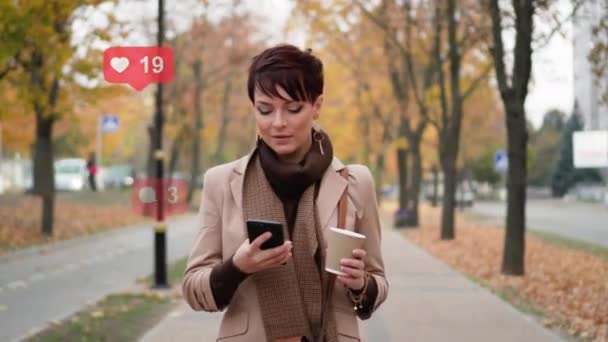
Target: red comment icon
x=138 y=66
x=145 y=196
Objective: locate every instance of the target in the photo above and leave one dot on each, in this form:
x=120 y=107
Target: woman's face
x=285 y=125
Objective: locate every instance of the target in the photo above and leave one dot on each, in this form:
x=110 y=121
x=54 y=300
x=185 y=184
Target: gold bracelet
x=358 y=299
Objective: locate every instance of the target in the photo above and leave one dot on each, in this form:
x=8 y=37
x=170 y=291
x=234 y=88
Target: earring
x=318 y=137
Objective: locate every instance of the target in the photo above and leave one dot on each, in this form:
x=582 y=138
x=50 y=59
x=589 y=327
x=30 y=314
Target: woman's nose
x=279 y=119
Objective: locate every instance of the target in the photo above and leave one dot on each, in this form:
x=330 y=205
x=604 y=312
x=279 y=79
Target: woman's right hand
x=249 y=258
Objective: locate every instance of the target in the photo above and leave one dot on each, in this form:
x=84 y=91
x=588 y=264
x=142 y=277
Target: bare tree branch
x=430 y=119
x=559 y=24
x=477 y=81
x=389 y=34
x=12 y=64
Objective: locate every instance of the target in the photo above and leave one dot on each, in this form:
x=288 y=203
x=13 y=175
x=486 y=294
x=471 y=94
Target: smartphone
x=256 y=228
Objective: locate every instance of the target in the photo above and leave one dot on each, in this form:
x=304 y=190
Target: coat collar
x=331 y=188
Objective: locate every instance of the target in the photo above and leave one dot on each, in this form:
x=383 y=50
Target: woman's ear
x=317 y=106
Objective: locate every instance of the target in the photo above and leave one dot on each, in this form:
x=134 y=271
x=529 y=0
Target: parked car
x=71 y=174
x=465 y=196
x=119 y=176
x=587 y=192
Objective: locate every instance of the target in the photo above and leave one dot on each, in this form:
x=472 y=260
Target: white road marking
x=87 y=261
x=36 y=277
x=17 y=284
x=58 y=271
x=97 y=258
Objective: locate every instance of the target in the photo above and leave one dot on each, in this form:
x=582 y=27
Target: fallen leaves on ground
x=568 y=285
x=20 y=221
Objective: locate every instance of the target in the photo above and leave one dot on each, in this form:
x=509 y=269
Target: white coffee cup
x=340 y=245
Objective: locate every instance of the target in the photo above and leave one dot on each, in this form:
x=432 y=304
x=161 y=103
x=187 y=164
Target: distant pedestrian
x=292 y=177
x=92 y=170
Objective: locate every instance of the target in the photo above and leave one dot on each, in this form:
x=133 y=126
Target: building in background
x=588 y=87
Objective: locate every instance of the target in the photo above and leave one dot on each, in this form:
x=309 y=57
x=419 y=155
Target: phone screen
x=256 y=228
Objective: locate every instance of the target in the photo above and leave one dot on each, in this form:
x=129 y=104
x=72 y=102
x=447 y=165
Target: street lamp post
x=160 y=227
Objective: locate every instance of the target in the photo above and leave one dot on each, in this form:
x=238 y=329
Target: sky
x=552 y=82
x=551 y=85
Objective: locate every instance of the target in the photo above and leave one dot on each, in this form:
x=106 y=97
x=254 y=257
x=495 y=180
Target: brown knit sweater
x=288 y=181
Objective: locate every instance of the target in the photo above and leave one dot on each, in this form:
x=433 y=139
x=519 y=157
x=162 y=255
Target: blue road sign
x=501 y=161
x=109 y=123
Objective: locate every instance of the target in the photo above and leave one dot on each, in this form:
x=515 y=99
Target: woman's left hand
x=355 y=269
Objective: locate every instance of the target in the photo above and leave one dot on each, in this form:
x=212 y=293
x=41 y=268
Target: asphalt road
x=574 y=220
x=51 y=283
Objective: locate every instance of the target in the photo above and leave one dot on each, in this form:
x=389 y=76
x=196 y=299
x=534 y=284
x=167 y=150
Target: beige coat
x=222 y=230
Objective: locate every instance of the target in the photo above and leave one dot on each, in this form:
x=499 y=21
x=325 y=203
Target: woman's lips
x=281 y=138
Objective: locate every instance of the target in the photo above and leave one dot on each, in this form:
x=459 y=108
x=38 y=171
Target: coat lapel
x=236 y=184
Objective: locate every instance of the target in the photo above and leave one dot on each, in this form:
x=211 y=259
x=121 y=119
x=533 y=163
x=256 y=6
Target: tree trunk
x=448 y=167
x=514 y=97
x=198 y=127
x=451 y=129
x=365 y=131
x=364 y=124
x=379 y=179
x=174 y=155
x=513 y=257
x=416 y=179
x=435 y=173
x=381 y=156
x=44 y=171
x=402 y=169
x=44 y=168
x=218 y=157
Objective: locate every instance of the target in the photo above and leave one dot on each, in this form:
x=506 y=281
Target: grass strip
x=119 y=317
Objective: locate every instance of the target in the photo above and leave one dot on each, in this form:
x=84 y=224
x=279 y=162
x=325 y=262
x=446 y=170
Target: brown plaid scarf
x=292 y=297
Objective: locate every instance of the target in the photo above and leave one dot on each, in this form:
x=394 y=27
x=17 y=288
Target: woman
x=291 y=177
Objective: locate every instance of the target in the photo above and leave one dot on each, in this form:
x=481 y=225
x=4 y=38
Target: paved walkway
x=427 y=301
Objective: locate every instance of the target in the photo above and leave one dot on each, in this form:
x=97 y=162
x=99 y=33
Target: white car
x=71 y=174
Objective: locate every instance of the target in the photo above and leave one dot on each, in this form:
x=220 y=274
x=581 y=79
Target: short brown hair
x=299 y=72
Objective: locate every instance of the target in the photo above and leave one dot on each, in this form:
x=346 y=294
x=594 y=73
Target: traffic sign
x=109 y=123
x=501 y=161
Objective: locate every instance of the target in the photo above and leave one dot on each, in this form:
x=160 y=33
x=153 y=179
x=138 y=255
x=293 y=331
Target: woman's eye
x=295 y=110
x=264 y=112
